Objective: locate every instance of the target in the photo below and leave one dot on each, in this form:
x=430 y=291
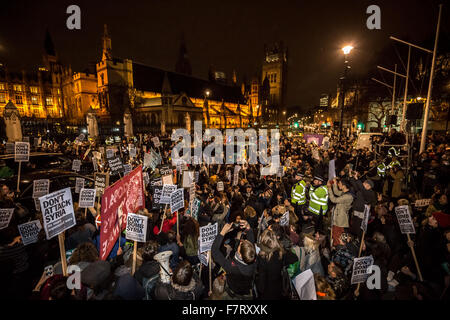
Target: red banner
x=124 y=196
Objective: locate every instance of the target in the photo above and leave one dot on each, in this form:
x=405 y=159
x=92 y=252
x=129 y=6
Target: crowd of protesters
x=255 y=256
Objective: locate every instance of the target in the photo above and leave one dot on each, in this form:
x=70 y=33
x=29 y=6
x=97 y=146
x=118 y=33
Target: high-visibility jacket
x=298 y=193
x=381 y=170
x=393 y=163
x=318 y=199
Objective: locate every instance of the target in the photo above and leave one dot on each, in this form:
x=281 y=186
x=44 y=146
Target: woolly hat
x=370 y=183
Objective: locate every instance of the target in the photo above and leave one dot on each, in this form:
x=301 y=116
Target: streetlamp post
x=346 y=51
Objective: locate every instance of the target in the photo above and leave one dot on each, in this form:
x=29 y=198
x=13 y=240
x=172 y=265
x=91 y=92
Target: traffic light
x=296 y=124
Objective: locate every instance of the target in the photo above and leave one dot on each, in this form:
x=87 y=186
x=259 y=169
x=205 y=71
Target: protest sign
x=110 y=153
x=236 y=175
x=157 y=192
x=10 y=147
x=30 y=231
x=37 y=204
x=207 y=235
x=166 y=193
x=154 y=159
x=127 y=168
x=132 y=151
x=5 y=217
x=79 y=183
x=87 y=198
x=167 y=180
x=101 y=181
x=422 y=203
x=177 y=200
x=146 y=178
x=165 y=170
x=280 y=171
x=76 y=165
x=116 y=166
x=94 y=164
x=404 y=219
x=41 y=187
x=366 y=217
x=188 y=178
x=136 y=227
x=284 y=220
x=229 y=175
x=147 y=160
x=126 y=195
x=313 y=138
x=331 y=169
x=195 y=207
x=156 y=182
x=156 y=142
x=220 y=186
x=57 y=212
x=22 y=151
x=203 y=257
x=362 y=268
x=196 y=175
x=305 y=286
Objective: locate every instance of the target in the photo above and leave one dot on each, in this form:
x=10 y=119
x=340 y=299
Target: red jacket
x=167 y=224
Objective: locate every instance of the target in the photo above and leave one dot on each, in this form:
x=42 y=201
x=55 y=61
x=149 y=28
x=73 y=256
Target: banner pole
x=359 y=255
x=164 y=216
x=62 y=252
x=415 y=258
x=210 y=275
x=133 y=270
x=18 y=176
x=178 y=228
x=85 y=213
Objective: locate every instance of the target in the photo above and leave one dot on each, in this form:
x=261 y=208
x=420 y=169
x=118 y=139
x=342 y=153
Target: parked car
x=59 y=179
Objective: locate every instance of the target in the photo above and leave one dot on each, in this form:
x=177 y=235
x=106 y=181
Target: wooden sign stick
x=18 y=176
x=359 y=255
x=62 y=252
x=210 y=274
x=133 y=270
x=415 y=258
x=164 y=216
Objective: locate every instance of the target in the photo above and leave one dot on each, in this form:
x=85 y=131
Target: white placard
x=188 y=178
x=207 y=235
x=331 y=169
x=136 y=227
x=5 y=217
x=177 y=200
x=365 y=220
x=41 y=187
x=404 y=219
x=362 y=267
x=236 y=175
x=305 y=286
x=57 y=212
x=87 y=198
x=76 y=165
x=166 y=193
x=422 y=203
x=30 y=231
x=167 y=179
x=220 y=186
x=156 y=142
x=127 y=168
x=22 y=151
x=284 y=220
x=79 y=184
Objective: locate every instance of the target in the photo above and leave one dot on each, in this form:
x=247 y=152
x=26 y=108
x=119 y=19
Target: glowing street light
x=207 y=93
x=347 y=49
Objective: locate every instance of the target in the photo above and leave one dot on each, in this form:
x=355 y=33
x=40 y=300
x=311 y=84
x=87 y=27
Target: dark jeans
x=318 y=222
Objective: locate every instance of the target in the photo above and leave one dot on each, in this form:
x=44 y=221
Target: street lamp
x=346 y=50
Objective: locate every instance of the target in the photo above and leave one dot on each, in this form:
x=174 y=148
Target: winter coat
x=173 y=291
x=147 y=270
x=397 y=184
x=343 y=203
x=363 y=196
x=239 y=275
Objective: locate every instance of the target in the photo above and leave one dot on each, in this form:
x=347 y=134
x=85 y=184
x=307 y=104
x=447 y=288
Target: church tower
x=183 y=64
x=106 y=44
x=274 y=68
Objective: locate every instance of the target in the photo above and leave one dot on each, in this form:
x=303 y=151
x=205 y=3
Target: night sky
x=227 y=34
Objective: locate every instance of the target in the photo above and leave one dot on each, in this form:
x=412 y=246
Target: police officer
x=318 y=201
x=298 y=194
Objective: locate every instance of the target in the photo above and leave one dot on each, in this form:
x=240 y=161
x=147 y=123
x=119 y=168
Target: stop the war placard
x=404 y=219
x=22 y=151
x=136 y=227
x=362 y=268
x=87 y=198
x=177 y=200
x=57 y=212
x=126 y=195
x=207 y=235
x=366 y=217
x=41 y=187
x=5 y=217
x=166 y=193
x=30 y=231
x=79 y=184
x=157 y=192
x=76 y=165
